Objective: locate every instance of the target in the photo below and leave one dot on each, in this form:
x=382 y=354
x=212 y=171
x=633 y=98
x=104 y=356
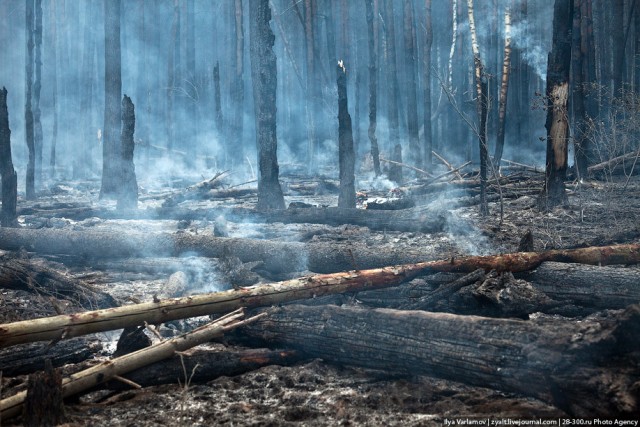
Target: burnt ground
x=314 y=392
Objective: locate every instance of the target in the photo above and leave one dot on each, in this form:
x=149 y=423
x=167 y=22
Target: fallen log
x=67 y=326
x=28 y=358
x=585 y=368
x=202 y=365
x=612 y=165
x=107 y=370
x=35 y=277
x=319 y=257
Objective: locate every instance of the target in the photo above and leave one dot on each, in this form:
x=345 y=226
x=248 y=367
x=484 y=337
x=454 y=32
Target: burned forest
x=319 y=212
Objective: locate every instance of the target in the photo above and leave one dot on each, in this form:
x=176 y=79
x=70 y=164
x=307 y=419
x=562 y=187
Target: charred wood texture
x=35 y=277
x=263 y=70
x=67 y=326
x=539 y=358
x=111 y=151
x=7 y=172
x=504 y=88
x=207 y=365
x=218 y=104
x=427 y=147
x=557 y=99
x=347 y=157
x=28 y=358
x=411 y=87
x=128 y=191
x=43 y=404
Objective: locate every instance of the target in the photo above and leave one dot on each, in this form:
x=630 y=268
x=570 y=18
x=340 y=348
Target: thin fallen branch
x=413 y=168
x=447 y=164
x=107 y=370
x=67 y=326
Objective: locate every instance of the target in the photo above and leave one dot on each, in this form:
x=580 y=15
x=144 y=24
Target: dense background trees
x=412 y=59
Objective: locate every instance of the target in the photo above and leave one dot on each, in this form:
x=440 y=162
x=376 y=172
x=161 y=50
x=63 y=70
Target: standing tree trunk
x=37 y=87
x=128 y=195
x=86 y=94
x=312 y=83
x=482 y=107
x=347 y=158
x=218 y=104
x=393 y=92
x=191 y=124
x=54 y=85
x=263 y=73
x=415 y=155
x=618 y=45
x=173 y=76
x=557 y=96
x=504 y=87
x=28 y=112
x=7 y=172
x=112 y=90
x=428 y=42
x=238 y=87
x=373 y=88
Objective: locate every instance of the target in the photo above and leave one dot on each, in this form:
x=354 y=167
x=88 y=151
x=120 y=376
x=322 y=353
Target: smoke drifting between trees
x=412 y=61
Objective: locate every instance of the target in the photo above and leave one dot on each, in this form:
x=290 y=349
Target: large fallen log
x=586 y=368
x=202 y=365
x=35 y=277
x=63 y=326
x=29 y=358
x=277 y=257
x=107 y=370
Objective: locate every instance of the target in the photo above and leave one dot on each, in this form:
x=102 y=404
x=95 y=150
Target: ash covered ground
x=314 y=392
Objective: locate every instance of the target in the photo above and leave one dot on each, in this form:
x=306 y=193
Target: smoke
x=533 y=51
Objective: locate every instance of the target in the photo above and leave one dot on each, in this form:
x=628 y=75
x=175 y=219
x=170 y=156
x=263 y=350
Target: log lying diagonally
x=107 y=370
x=573 y=365
x=67 y=326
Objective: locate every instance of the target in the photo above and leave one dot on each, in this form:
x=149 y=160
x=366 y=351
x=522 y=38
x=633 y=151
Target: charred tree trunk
x=373 y=88
x=54 y=85
x=8 y=175
x=37 y=88
x=504 y=88
x=28 y=111
x=393 y=90
x=218 y=104
x=428 y=132
x=86 y=95
x=311 y=82
x=173 y=72
x=263 y=72
x=128 y=194
x=237 y=152
x=112 y=92
x=557 y=100
x=191 y=124
x=411 y=89
x=43 y=403
x=347 y=158
x=618 y=45
x=395 y=170
x=482 y=108
x=535 y=358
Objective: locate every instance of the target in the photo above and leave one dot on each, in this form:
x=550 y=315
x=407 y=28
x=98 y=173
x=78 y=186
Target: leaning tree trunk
x=112 y=91
x=263 y=72
x=347 y=158
x=128 y=194
x=504 y=87
x=373 y=88
x=557 y=99
x=482 y=107
x=7 y=172
x=37 y=86
x=28 y=111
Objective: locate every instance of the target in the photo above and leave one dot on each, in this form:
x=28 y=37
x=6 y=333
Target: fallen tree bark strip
x=204 y=365
x=541 y=359
x=67 y=326
x=104 y=371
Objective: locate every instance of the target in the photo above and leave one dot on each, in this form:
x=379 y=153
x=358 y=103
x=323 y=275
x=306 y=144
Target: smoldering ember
x=319 y=212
